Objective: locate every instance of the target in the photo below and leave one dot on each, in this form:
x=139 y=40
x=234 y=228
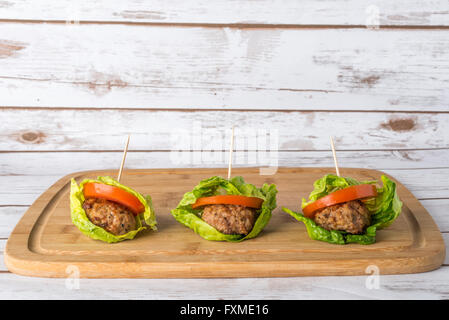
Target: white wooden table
x=76 y=78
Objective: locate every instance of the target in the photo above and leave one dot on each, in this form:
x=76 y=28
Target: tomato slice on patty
x=112 y=193
x=251 y=202
x=340 y=196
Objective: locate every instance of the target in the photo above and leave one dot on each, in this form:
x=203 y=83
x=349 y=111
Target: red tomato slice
x=251 y=202
x=340 y=196
x=112 y=193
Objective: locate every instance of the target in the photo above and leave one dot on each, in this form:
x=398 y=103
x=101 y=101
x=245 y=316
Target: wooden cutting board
x=45 y=243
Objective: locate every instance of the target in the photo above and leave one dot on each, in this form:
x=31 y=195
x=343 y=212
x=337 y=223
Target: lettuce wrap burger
x=226 y=210
x=344 y=210
x=106 y=210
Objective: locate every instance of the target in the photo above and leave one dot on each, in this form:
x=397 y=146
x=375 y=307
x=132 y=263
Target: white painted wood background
x=70 y=92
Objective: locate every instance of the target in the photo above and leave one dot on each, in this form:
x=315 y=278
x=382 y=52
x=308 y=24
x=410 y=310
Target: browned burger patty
x=229 y=218
x=113 y=217
x=351 y=216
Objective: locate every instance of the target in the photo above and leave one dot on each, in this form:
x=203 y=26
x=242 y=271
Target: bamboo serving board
x=45 y=243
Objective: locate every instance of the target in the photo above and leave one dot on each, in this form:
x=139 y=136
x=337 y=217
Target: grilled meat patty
x=113 y=217
x=229 y=218
x=351 y=216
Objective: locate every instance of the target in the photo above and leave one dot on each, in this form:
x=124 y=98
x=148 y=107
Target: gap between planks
x=188 y=110
x=225 y=25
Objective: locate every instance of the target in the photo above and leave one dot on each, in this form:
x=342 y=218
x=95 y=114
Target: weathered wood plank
x=220 y=67
x=9 y=216
x=439 y=210
x=72 y=129
x=424 y=183
x=24 y=189
x=2 y=249
x=62 y=163
x=446 y=242
x=429 y=285
x=235 y=12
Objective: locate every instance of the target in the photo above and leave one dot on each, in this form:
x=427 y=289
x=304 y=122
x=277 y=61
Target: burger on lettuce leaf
x=226 y=210
x=106 y=210
x=343 y=210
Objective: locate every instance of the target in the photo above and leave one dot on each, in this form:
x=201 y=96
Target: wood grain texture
x=45 y=241
x=204 y=68
x=2 y=260
x=433 y=13
x=77 y=130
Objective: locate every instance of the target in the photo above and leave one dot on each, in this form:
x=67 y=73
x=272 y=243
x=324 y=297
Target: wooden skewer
x=335 y=156
x=125 y=151
x=230 y=153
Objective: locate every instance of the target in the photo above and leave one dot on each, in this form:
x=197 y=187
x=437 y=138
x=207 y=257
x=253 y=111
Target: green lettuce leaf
x=384 y=209
x=191 y=218
x=80 y=219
